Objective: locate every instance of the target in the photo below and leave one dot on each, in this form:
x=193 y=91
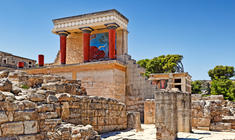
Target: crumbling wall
x=50 y=107
x=213 y=113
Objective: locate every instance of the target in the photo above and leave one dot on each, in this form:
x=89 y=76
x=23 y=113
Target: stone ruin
x=213 y=113
x=50 y=107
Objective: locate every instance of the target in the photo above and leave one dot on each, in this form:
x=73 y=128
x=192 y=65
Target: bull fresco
x=99 y=46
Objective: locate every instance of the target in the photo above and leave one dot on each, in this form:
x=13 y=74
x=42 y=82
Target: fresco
x=99 y=46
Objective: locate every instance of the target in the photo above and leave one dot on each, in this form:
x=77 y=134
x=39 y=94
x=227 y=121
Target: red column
x=112 y=33
x=86 y=46
x=40 y=60
x=20 y=64
x=63 y=38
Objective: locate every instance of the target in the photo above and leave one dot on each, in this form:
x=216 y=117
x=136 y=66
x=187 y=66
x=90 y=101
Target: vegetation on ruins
x=221 y=83
x=196 y=87
x=162 y=64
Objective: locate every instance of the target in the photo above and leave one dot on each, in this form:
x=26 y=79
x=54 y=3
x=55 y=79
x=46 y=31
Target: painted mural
x=99 y=46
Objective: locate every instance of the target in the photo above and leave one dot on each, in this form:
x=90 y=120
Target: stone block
x=3 y=117
x=35 y=97
x=30 y=127
x=45 y=108
x=219 y=126
x=5 y=85
x=25 y=115
x=133 y=121
x=48 y=115
x=14 y=128
x=31 y=137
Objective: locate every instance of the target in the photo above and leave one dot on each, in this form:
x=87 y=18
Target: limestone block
x=29 y=105
x=2 y=96
x=5 y=85
x=25 y=115
x=35 y=97
x=220 y=126
x=133 y=121
x=45 y=108
x=52 y=99
x=149 y=112
x=13 y=128
x=63 y=97
x=3 y=117
x=4 y=74
x=31 y=137
x=48 y=115
x=49 y=124
x=65 y=110
x=30 y=127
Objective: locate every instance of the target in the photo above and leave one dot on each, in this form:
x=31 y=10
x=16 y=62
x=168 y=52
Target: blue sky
x=203 y=31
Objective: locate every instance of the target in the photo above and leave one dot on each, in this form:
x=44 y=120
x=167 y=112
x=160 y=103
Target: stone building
x=182 y=81
x=93 y=49
x=8 y=60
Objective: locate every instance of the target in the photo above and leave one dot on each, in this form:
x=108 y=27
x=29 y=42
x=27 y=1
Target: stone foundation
x=212 y=113
x=44 y=107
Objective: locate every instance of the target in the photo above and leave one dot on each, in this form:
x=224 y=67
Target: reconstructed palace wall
x=74 y=46
x=40 y=106
x=138 y=87
x=212 y=113
x=103 y=78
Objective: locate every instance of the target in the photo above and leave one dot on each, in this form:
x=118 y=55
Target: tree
x=221 y=83
x=221 y=72
x=196 y=87
x=162 y=64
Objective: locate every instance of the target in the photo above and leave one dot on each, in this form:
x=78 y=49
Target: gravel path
x=149 y=133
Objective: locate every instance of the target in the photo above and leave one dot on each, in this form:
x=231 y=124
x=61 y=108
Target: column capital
x=86 y=29
x=63 y=33
x=112 y=25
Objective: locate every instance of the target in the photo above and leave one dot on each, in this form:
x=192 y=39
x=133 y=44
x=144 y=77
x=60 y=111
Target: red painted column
x=40 y=60
x=86 y=46
x=20 y=64
x=63 y=38
x=112 y=33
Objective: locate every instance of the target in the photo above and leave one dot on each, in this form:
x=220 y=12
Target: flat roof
x=94 y=13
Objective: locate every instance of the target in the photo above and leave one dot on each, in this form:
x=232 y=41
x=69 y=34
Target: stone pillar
x=63 y=37
x=166 y=115
x=149 y=111
x=86 y=42
x=40 y=60
x=112 y=39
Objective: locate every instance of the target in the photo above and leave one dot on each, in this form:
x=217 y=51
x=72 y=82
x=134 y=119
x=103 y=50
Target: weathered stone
x=133 y=121
x=220 y=126
x=2 y=96
x=30 y=127
x=4 y=74
x=5 y=85
x=3 y=117
x=48 y=115
x=31 y=137
x=29 y=104
x=52 y=98
x=25 y=115
x=63 y=97
x=45 y=108
x=37 y=97
x=13 y=128
x=65 y=110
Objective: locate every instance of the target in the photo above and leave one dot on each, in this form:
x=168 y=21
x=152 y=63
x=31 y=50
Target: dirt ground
x=149 y=133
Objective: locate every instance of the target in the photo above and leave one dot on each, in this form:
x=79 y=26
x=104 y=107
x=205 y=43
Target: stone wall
x=45 y=106
x=108 y=83
x=213 y=113
x=138 y=87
